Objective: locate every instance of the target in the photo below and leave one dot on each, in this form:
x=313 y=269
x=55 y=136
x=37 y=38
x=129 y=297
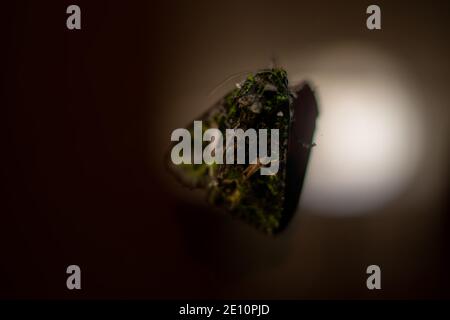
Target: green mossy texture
x=262 y=101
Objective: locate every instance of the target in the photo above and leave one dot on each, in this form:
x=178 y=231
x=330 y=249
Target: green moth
x=264 y=101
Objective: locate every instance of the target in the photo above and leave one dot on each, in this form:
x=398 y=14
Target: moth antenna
x=274 y=61
x=233 y=76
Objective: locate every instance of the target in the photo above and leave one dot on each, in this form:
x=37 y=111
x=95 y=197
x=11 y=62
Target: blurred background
x=87 y=117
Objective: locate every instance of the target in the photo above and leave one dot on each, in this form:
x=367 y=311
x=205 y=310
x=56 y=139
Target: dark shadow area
x=300 y=142
x=228 y=246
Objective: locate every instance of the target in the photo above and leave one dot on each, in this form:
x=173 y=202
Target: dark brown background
x=85 y=119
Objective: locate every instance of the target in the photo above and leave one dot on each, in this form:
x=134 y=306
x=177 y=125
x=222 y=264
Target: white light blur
x=369 y=133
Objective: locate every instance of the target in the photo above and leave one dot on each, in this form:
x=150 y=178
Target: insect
x=264 y=100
